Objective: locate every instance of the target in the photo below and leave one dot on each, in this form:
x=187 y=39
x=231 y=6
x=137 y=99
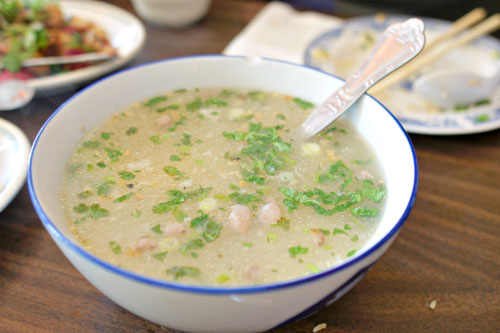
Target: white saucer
x=14 y=153
x=348 y=46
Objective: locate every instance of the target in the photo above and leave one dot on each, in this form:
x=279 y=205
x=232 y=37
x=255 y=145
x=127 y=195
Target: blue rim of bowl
x=54 y=231
x=413 y=125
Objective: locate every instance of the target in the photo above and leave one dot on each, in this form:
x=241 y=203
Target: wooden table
x=447 y=251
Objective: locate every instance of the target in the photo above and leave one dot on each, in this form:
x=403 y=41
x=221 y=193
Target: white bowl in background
x=205 y=308
x=173 y=13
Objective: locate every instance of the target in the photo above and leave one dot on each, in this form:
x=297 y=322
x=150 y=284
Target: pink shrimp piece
x=174 y=229
x=364 y=175
x=143 y=244
x=253 y=272
x=240 y=218
x=318 y=237
x=269 y=213
x=164 y=121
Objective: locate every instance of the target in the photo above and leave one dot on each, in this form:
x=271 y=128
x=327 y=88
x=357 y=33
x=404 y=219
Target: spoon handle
x=399 y=43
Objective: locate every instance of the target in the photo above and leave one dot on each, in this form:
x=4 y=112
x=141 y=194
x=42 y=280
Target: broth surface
x=206 y=186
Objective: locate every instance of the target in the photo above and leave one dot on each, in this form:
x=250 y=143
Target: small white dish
x=172 y=13
x=342 y=49
x=14 y=152
x=125 y=31
x=14 y=94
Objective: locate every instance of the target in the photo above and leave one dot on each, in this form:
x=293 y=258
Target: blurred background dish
x=125 y=32
x=172 y=13
x=342 y=49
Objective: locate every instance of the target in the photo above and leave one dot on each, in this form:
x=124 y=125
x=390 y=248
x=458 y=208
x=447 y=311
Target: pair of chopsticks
x=434 y=49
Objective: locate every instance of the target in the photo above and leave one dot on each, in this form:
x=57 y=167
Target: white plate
x=125 y=32
x=14 y=152
x=342 y=50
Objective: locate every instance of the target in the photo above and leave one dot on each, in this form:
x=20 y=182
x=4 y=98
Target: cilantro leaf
x=364 y=212
x=157 y=229
x=155 y=100
x=159 y=256
x=209 y=228
x=333 y=129
x=115 y=247
x=94 y=211
x=171 y=171
x=84 y=194
x=104 y=188
x=178 y=197
x=124 y=197
x=302 y=103
x=257 y=95
x=175 y=158
x=215 y=101
x=181 y=271
x=91 y=144
x=106 y=135
x=296 y=250
x=126 y=175
x=113 y=154
x=372 y=193
x=234 y=187
x=337 y=231
x=337 y=171
x=243 y=199
x=81 y=208
x=194 y=105
x=194 y=244
x=283 y=223
x=170 y=107
x=132 y=130
x=155 y=139
x=265 y=152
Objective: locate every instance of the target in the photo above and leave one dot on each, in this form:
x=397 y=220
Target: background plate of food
x=61 y=28
x=342 y=50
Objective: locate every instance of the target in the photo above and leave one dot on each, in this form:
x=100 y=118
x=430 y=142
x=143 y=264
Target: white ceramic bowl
x=217 y=309
x=172 y=13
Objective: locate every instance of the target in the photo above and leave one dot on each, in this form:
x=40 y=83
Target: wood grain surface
x=447 y=251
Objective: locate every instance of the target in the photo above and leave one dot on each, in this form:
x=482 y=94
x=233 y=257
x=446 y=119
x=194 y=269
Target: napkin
x=278 y=31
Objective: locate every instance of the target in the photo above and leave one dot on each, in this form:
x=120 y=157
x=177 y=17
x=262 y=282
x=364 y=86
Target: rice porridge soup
x=207 y=186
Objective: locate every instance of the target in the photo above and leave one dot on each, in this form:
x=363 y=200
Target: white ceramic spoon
x=452 y=87
x=397 y=45
x=15 y=94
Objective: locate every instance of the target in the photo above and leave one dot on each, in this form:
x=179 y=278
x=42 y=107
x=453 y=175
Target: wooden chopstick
x=459 y=25
x=489 y=25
